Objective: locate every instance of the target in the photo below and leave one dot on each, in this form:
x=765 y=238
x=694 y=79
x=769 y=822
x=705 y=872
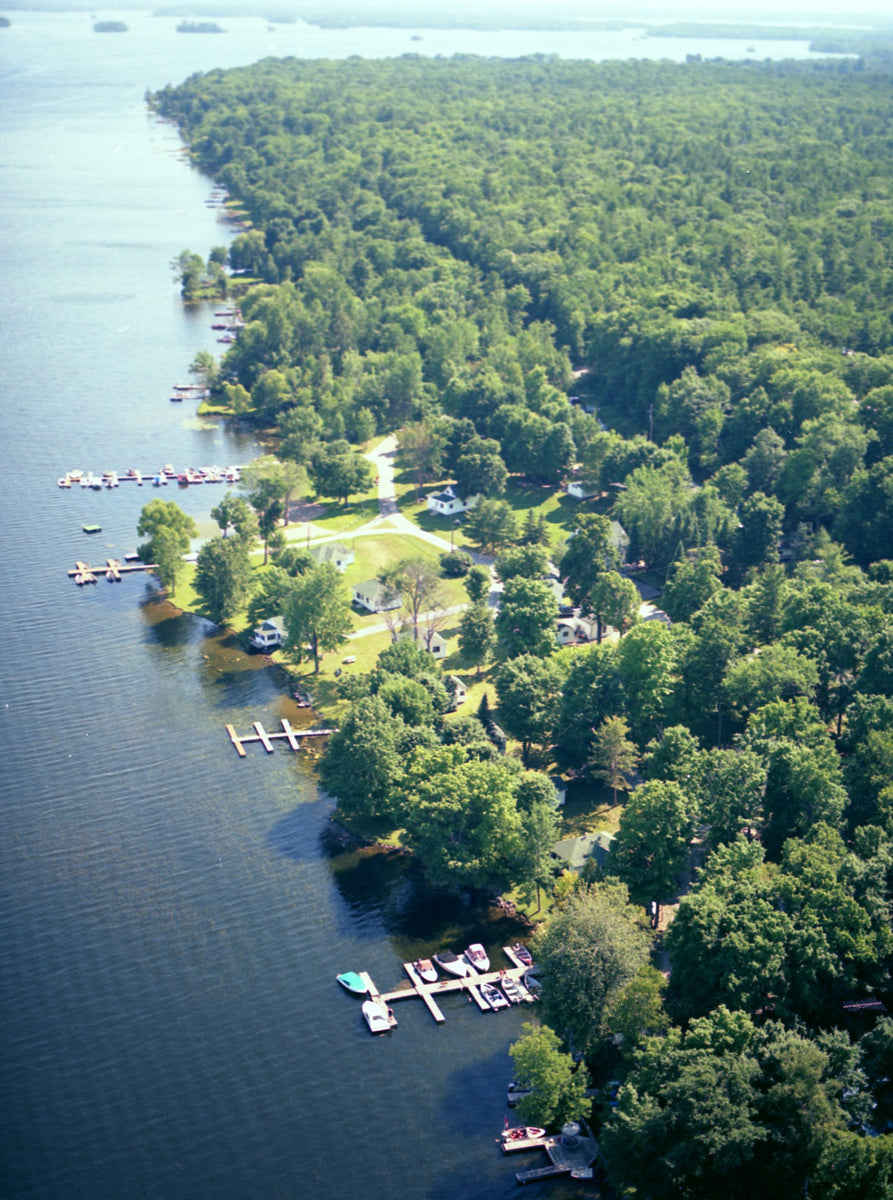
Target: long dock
x=114 y=569
x=288 y=733
x=470 y=984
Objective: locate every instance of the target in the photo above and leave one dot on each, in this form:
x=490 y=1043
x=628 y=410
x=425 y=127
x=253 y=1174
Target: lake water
x=173 y=917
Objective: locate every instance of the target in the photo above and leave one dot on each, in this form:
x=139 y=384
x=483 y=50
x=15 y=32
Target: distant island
x=109 y=27
x=5 y=22
x=199 y=27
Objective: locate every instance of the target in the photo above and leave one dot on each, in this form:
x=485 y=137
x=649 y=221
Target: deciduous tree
x=317 y=614
x=557 y=1084
x=589 y=951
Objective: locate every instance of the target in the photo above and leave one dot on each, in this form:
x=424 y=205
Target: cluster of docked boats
x=159 y=478
x=473 y=962
x=230 y=322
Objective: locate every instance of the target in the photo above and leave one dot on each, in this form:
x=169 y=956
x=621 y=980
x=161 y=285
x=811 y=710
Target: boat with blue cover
x=353 y=983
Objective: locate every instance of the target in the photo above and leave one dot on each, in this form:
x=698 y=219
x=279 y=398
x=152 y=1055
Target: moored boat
x=353 y=983
x=426 y=970
x=523 y=955
x=493 y=996
x=452 y=963
x=523 y=1133
x=476 y=957
x=512 y=992
x=378 y=1016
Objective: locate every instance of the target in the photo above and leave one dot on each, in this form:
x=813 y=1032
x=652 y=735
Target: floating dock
x=114 y=570
x=287 y=733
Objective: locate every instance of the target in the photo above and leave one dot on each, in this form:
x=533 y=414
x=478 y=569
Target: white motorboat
x=452 y=963
x=353 y=983
x=512 y=992
x=476 y=956
x=493 y=996
x=426 y=970
x=378 y=1016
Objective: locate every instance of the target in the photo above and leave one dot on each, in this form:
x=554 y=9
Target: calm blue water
x=172 y=918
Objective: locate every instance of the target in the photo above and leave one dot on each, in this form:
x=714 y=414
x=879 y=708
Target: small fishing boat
x=378 y=1016
x=476 y=957
x=521 y=952
x=523 y=1133
x=452 y=963
x=493 y=996
x=426 y=970
x=512 y=992
x=353 y=983
x=65 y=482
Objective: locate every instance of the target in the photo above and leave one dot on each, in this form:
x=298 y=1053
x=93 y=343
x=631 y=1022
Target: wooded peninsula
x=648 y=308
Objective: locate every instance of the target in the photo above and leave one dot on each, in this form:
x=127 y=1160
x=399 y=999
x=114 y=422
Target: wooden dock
x=113 y=570
x=288 y=733
x=569 y=1154
x=470 y=984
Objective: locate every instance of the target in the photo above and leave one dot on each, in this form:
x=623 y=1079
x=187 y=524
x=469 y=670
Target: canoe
x=353 y=983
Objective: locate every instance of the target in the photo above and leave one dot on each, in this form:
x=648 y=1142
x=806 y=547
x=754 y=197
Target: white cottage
x=576 y=631
x=580 y=491
x=459 y=691
x=437 y=647
x=336 y=553
x=375 y=596
x=269 y=635
x=448 y=503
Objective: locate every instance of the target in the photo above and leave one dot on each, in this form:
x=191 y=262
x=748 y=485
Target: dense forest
x=671 y=283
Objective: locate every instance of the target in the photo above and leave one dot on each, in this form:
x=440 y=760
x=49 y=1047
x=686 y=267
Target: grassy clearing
x=340 y=517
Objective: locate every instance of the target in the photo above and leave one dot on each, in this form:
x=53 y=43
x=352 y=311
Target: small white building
x=576 y=631
x=376 y=597
x=448 y=503
x=269 y=635
x=580 y=491
x=437 y=647
x=460 y=691
x=336 y=553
